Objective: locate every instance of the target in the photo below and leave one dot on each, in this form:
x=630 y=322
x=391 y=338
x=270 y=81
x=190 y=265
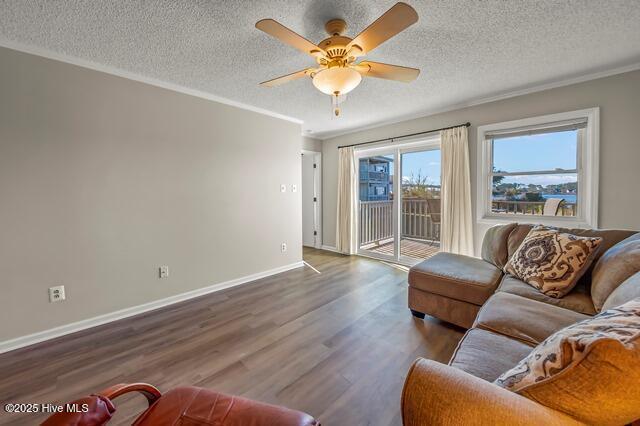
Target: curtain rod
x=467 y=124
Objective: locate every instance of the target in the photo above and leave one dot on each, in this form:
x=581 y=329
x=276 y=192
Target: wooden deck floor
x=416 y=249
x=336 y=344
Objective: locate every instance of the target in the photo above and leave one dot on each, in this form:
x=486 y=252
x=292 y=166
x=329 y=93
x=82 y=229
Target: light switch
x=163 y=271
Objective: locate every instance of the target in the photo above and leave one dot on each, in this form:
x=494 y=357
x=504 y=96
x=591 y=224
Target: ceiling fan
x=337 y=72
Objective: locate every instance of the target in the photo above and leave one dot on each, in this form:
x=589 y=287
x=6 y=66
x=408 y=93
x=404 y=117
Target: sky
x=548 y=151
x=423 y=162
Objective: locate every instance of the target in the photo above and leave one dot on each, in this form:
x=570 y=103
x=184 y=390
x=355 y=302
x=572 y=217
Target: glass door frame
x=431 y=142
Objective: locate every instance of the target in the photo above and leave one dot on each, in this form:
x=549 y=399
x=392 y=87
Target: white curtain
x=456 y=235
x=347 y=205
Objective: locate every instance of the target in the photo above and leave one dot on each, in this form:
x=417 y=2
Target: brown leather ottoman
x=183 y=406
x=451 y=287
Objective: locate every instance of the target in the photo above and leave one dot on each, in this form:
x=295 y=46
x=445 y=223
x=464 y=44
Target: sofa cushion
x=610 y=237
x=459 y=277
x=552 y=261
x=487 y=355
x=589 y=370
x=524 y=319
x=577 y=300
x=516 y=237
x=494 y=244
x=614 y=267
x=628 y=290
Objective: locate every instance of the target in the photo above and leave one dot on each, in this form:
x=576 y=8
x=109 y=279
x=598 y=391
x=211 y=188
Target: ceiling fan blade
x=387 y=71
x=287 y=36
x=393 y=21
x=287 y=78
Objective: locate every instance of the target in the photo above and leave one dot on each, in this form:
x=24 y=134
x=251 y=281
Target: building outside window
x=376 y=178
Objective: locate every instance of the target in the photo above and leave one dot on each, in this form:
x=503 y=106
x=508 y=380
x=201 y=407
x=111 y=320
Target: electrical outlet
x=283 y=247
x=283 y=188
x=56 y=294
x=294 y=188
x=163 y=271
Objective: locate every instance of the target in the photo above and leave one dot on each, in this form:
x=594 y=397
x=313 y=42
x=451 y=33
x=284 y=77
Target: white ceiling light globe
x=337 y=80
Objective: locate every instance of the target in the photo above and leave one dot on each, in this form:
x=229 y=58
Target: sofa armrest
x=148 y=391
x=437 y=394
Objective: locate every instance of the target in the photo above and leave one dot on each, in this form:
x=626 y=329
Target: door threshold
x=391 y=262
x=400 y=266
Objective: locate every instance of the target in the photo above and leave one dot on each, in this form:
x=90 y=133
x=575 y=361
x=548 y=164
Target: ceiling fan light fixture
x=338 y=73
x=339 y=80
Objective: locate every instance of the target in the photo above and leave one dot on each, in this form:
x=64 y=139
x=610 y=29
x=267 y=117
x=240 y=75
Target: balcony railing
x=376 y=221
x=376 y=176
x=531 y=207
x=416 y=220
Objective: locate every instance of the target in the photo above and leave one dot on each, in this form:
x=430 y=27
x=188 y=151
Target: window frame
x=587 y=167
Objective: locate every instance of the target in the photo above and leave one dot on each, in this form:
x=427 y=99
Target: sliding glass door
x=399 y=201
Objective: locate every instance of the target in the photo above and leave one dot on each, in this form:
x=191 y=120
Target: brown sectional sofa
x=506 y=318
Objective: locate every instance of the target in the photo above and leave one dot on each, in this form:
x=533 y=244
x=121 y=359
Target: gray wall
x=311 y=144
x=103 y=179
x=619 y=100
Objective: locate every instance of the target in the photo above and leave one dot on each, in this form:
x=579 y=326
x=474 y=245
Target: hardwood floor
x=336 y=345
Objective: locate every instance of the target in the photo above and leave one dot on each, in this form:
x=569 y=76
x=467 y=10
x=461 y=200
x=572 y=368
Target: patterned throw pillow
x=590 y=370
x=552 y=261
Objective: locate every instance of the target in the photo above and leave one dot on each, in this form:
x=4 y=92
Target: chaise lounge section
x=453 y=287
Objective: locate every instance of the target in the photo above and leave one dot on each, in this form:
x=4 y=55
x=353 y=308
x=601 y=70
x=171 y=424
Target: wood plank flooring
x=336 y=344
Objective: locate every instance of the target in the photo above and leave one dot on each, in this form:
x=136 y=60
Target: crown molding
x=60 y=57
x=322 y=136
x=485 y=100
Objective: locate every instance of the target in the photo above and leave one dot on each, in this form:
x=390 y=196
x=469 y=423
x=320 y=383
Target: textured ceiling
x=466 y=50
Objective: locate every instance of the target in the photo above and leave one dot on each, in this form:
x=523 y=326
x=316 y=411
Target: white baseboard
x=41 y=336
x=330 y=248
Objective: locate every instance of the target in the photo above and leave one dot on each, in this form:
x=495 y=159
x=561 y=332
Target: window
x=540 y=170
